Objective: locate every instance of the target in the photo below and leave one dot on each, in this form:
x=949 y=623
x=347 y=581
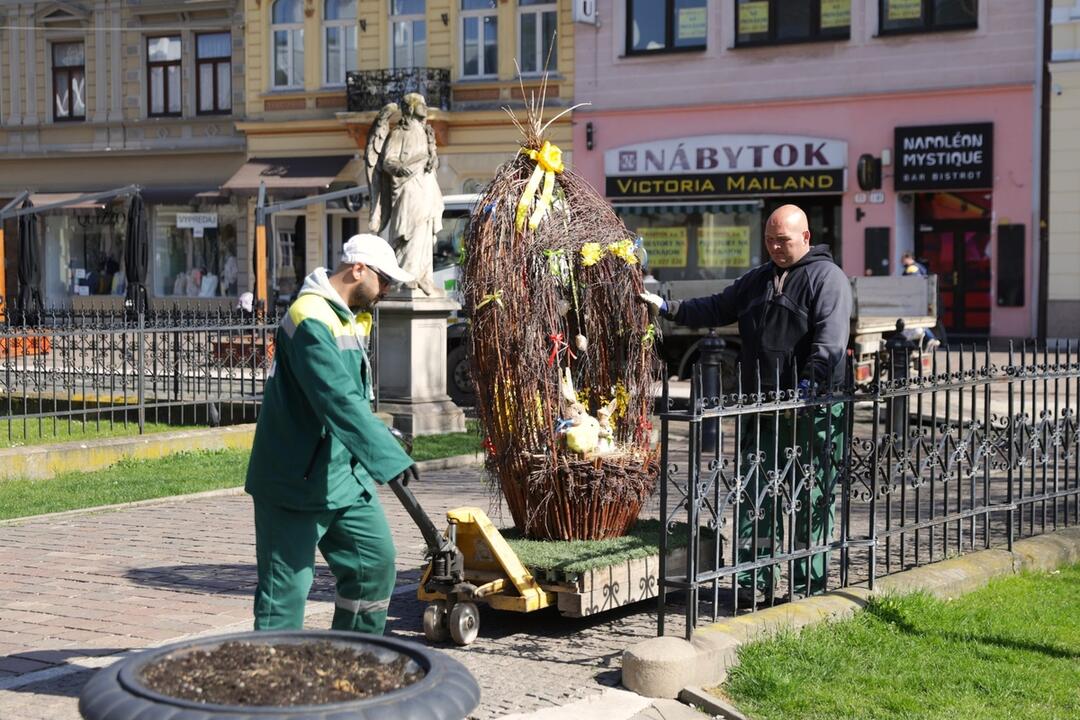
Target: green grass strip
x=1005 y=652
x=579 y=556
x=433 y=447
x=126 y=481
x=32 y=431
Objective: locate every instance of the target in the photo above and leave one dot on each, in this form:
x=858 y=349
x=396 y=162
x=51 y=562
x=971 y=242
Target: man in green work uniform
x=793 y=314
x=319 y=450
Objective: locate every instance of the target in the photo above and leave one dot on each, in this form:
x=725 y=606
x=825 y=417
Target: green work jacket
x=318 y=446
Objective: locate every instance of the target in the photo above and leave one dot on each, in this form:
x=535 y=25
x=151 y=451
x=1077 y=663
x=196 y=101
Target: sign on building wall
x=944 y=157
x=726 y=165
x=724 y=247
x=666 y=246
x=198 y=222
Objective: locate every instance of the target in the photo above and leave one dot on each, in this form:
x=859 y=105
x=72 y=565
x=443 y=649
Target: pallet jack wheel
x=435 y=626
x=464 y=622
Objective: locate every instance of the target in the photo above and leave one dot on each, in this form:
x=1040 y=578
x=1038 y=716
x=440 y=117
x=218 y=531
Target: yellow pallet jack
x=469 y=564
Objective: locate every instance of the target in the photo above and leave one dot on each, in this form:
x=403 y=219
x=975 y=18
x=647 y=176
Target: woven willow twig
x=528 y=295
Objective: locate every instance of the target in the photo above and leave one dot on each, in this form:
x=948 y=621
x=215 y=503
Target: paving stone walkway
x=78 y=590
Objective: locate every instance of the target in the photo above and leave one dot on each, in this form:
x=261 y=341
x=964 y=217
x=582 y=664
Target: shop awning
x=288 y=173
x=677 y=207
x=50 y=198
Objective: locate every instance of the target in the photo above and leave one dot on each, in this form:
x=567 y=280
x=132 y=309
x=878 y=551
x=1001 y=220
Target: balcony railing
x=372 y=89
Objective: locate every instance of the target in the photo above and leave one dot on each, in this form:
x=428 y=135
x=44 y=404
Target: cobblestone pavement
x=77 y=590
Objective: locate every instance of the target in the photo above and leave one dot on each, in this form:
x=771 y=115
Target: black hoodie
x=794 y=322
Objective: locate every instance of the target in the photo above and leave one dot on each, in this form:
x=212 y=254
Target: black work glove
x=411 y=473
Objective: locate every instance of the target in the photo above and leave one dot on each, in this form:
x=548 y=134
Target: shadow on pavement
x=231 y=579
x=67 y=684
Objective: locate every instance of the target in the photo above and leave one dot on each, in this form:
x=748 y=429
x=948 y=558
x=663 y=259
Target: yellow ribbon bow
x=548 y=162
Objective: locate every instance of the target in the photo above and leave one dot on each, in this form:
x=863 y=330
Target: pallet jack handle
x=436 y=541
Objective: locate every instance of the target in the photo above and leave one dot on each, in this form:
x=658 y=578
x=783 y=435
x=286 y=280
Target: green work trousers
x=762 y=518
x=356 y=543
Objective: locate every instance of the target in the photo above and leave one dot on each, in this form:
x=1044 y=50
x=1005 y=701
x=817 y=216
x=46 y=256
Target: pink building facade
x=898 y=126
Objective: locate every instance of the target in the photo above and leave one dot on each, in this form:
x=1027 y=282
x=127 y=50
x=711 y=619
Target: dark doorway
x=823 y=212
x=953 y=240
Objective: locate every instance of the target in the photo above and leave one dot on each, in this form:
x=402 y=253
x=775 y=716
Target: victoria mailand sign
x=945 y=157
x=731 y=165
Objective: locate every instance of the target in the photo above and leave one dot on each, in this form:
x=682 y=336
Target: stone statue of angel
x=406 y=202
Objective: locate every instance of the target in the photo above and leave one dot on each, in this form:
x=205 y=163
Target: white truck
x=447 y=275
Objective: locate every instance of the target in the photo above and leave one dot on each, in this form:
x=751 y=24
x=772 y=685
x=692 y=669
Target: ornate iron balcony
x=372 y=89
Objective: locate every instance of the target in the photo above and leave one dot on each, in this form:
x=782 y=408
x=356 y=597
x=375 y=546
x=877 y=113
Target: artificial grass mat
x=578 y=556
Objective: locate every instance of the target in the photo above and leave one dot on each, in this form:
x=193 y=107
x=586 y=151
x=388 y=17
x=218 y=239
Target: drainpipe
x=1041 y=171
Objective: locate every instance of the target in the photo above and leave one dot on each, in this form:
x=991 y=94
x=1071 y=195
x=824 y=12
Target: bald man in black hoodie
x=794 y=315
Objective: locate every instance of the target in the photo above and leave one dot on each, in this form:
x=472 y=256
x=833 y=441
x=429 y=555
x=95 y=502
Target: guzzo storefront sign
x=726 y=165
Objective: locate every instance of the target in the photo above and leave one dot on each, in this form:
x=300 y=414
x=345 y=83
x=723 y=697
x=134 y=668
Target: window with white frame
x=409 y=30
x=163 y=75
x=339 y=33
x=69 y=81
x=480 y=38
x=213 y=72
x=536 y=31
x=287 y=33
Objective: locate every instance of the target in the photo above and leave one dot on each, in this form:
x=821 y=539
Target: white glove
x=655 y=303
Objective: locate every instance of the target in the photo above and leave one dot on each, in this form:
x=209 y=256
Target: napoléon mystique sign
x=726 y=165
x=944 y=157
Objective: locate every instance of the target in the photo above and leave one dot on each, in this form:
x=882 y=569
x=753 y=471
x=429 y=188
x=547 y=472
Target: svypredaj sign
x=944 y=157
x=726 y=165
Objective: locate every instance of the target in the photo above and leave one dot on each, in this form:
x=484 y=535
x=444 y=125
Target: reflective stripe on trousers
x=360 y=606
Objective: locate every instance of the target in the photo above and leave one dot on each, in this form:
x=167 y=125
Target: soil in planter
x=285 y=674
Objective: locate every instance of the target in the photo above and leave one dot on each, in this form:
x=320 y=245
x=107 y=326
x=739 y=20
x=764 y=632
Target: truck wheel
x=459 y=376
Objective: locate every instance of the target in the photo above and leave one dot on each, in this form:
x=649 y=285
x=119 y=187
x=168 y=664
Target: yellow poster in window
x=666 y=246
x=754 y=17
x=724 y=247
x=692 y=23
x=903 y=10
x=835 y=14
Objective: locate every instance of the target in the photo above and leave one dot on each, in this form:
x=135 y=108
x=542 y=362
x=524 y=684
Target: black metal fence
x=372 y=89
x=65 y=372
x=815 y=493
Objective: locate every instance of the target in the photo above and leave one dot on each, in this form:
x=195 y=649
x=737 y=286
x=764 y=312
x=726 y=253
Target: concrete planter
x=446 y=692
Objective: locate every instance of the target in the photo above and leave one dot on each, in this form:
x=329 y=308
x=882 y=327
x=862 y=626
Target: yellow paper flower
x=550 y=157
x=591 y=253
x=625 y=250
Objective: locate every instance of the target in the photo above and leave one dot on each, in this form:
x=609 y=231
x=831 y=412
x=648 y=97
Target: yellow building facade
x=307 y=130
x=103 y=94
x=1063 y=292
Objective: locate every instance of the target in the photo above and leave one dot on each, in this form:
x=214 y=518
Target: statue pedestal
x=412 y=363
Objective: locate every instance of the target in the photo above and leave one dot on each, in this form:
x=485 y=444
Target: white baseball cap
x=374 y=252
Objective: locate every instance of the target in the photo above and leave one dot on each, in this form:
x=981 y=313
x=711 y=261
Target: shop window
x=772 y=22
x=703 y=242
x=163 y=75
x=287 y=32
x=339 y=32
x=69 y=81
x=654 y=26
x=537 y=20
x=213 y=72
x=409 y=30
x=480 y=39
x=915 y=16
x=84 y=253
x=195 y=252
